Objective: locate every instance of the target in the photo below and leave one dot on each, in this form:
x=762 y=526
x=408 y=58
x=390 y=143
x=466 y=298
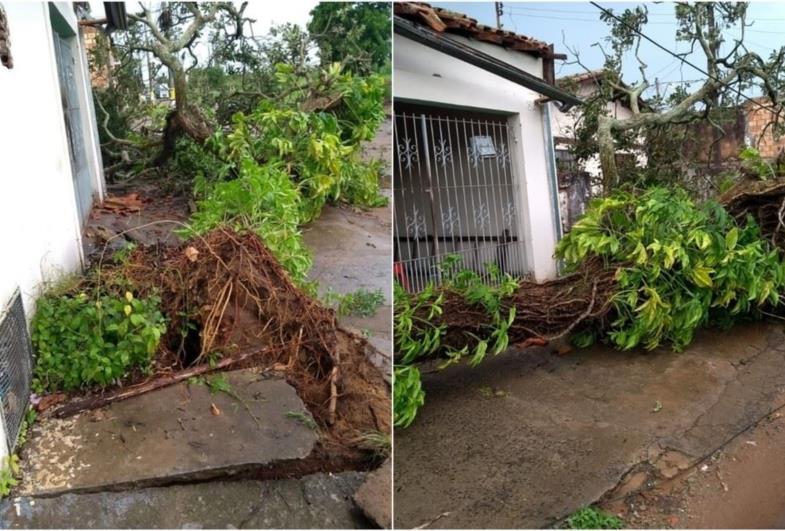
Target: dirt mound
x=225 y=292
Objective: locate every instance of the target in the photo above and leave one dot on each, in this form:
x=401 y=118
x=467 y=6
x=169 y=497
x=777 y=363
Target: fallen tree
x=648 y=267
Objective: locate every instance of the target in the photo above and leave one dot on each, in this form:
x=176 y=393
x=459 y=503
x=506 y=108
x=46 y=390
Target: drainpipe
x=550 y=157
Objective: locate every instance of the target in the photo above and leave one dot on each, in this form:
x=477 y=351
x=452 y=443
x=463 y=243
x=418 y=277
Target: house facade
x=475 y=173
x=52 y=173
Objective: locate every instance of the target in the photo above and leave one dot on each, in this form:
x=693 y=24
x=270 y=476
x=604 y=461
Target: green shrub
x=362 y=302
x=680 y=265
x=82 y=342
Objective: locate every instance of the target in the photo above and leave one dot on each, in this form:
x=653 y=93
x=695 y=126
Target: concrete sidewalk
x=178 y=433
x=316 y=501
x=528 y=437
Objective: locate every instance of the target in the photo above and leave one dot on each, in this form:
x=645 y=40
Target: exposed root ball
x=233 y=290
x=547 y=310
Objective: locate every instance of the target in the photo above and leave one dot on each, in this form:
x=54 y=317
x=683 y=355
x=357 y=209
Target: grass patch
x=362 y=303
x=593 y=518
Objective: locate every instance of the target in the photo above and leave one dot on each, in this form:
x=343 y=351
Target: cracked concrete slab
x=565 y=430
x=179 y=432
x=374 y=496
x=315 y=501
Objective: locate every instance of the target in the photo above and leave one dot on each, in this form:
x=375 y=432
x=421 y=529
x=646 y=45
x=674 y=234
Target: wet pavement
x=528 y=437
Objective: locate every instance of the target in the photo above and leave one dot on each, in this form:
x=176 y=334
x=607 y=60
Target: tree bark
x=95 y=402
x=607 y=151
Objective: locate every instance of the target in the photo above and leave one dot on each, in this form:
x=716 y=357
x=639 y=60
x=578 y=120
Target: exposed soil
x=230 y=288
x=741 y=486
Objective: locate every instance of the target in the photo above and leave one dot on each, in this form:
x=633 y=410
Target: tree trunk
x=610 y=173
x=184 y=120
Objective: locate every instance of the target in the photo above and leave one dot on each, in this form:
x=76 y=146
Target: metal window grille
x=455 y=194
x=16 y=355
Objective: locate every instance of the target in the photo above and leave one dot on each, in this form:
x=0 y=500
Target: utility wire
x=682 y=59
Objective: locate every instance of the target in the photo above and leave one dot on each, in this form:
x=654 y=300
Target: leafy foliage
x=265 y=201
x=408 y=394
x=279 y=165
x=753 y=162
x=82 y=342
x=424 y=308
x=9 y=472
x=593 y=518
x=680 y=265
x=357 y=33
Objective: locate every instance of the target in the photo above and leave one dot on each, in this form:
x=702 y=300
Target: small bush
x=362 y=302
x=82 y=342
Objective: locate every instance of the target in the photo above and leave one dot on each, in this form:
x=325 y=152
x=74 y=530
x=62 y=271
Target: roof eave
x=463 y=52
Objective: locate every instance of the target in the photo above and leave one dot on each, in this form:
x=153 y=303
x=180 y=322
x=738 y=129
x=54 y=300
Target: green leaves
x=81 y=342
x=418 y=331
x=680 y=265
x=279 y=165
x=408 y=394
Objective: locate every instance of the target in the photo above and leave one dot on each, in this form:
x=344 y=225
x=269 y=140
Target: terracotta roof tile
x=445 y=21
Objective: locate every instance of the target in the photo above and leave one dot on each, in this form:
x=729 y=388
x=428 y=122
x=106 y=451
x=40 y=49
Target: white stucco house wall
x=51 y=170
x=475 y=170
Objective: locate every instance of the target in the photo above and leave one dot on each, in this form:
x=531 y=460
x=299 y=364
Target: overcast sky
x=577 y=24
x=265 y=13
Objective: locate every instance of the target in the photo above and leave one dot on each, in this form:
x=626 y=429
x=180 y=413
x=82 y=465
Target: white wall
x=40 y=234
x=424 y=75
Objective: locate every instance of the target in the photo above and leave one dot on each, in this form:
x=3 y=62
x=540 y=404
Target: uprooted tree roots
x=543 y=311
x=225 y=293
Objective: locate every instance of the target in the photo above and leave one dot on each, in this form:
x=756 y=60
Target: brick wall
x=758 y=134
x=99 y=77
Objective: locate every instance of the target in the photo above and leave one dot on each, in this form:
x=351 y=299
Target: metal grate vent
x=16 y=355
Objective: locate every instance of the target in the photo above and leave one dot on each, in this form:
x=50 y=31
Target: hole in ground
x=188 y=343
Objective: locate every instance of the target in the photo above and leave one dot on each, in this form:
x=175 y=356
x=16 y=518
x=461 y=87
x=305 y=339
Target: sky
x=576 y=25
x=266 y=13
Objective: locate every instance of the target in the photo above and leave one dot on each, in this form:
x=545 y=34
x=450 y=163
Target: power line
x=682 y=59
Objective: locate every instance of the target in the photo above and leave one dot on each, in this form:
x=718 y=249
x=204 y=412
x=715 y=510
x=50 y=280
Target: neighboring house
x=474 y=172
x=563 y=123
x=50 y=175
x=577 y=179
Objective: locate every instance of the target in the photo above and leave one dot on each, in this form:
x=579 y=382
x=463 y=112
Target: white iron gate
x=455 y=194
